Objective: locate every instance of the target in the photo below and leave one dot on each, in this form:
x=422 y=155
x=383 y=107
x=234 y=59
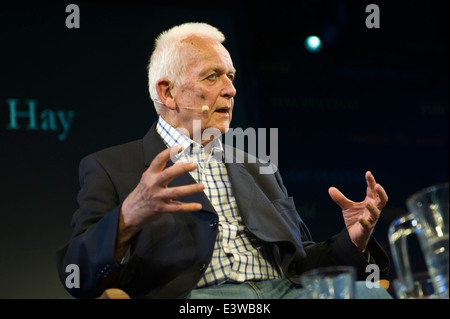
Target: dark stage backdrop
x=371 y=99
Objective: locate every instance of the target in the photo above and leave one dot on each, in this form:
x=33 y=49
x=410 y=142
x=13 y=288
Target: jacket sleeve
x=94 y=228
x=340 y=250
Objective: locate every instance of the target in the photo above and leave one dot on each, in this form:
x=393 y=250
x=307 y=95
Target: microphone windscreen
x=205 y=108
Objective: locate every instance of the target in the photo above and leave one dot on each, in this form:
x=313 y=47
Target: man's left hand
x=361 y=217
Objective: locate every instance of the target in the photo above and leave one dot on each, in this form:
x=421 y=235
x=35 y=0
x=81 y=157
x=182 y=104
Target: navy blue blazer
x=169 y=256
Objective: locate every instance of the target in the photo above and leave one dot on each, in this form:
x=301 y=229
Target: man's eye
x=212 y=76
x=231 y=77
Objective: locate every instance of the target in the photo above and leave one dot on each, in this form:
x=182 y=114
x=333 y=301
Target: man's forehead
x=199 y=48
x=198 y=40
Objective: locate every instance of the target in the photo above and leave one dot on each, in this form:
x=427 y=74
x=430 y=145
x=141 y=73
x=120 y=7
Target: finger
x=339 y=198
x=382 y=196
x=374 y=213
x=366 y=224
x=179 y=207
x=179 y=168
x=181 y=191
x=160 y=160
x=371 y=183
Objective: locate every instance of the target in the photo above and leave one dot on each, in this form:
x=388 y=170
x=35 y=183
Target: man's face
x=208 y=81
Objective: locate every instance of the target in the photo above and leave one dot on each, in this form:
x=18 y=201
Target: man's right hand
x=152 y=198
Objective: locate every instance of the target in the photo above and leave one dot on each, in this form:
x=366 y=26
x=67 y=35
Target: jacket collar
x=152 y=146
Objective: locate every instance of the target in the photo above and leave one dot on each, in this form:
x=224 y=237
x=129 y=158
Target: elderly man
x=168 y=217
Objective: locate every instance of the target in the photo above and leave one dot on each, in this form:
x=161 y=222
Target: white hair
x=167 y=61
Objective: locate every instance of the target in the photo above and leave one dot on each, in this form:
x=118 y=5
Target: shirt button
x=202 y=267
x=214 y=224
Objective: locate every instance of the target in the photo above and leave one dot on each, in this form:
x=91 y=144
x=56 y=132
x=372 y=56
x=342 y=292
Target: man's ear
x=164 y=88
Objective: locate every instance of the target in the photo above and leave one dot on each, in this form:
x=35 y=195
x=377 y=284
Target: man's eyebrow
x=218 y=69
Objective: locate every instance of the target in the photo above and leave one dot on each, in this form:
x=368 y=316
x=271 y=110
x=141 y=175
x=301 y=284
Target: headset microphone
x=204 y=108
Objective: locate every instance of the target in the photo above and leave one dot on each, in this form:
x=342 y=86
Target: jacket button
x=214 y=224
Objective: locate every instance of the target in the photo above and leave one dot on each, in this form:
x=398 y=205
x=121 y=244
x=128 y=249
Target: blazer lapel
x=242 y=181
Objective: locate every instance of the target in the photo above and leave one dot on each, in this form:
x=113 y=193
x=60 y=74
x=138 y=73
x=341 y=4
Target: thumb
x=339 y=198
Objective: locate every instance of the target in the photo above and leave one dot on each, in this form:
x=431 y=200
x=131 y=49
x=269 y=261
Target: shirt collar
x=171 y=137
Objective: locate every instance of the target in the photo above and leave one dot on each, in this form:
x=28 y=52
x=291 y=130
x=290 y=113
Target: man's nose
x=228 y=88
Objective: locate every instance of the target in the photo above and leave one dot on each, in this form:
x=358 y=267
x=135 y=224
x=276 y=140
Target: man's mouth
x=225 y=109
